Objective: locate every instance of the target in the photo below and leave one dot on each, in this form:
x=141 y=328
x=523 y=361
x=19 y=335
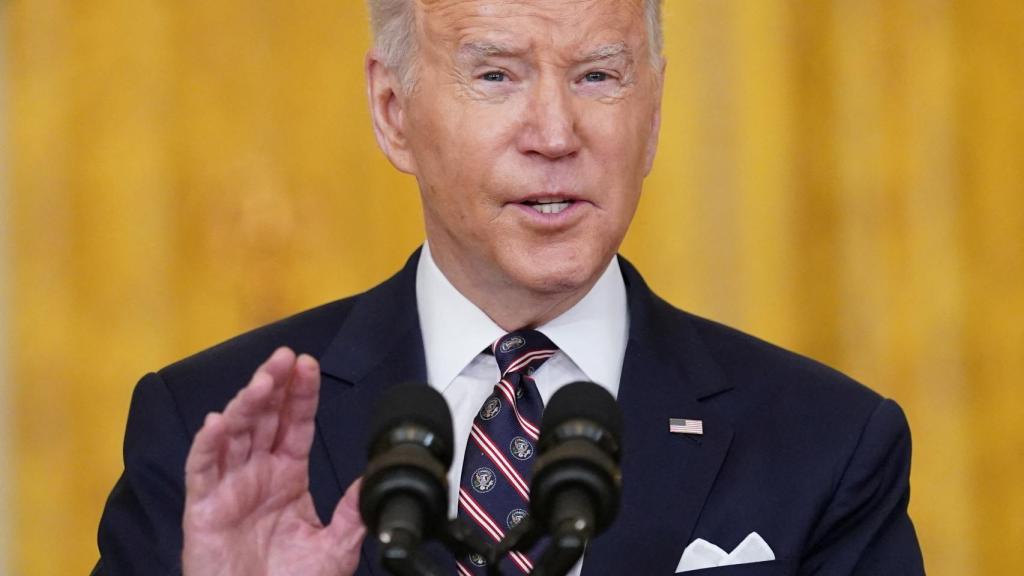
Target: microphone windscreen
x=586 y=401
x=416 y=404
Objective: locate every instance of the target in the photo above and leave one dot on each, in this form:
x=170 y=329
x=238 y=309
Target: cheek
x=464 y=149
x=618 y=154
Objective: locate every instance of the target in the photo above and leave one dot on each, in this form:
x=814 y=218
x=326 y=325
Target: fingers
x=347 y=530
x=276 y=374
x=298 y=412
x=202 y=467
x=275 y=412
x=248 y=423
x=252 y=416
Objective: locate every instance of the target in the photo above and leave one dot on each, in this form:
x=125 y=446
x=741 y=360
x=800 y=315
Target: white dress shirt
x=591 y=337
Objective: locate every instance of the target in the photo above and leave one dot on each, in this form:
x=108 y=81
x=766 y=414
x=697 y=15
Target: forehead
x=523 y=24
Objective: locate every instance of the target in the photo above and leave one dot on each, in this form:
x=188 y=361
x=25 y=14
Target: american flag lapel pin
x=684 y=426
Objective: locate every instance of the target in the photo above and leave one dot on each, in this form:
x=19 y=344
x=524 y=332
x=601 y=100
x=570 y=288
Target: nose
x=550 y=127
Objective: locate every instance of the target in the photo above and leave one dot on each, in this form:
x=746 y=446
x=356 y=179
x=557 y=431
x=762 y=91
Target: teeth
x=550 y=207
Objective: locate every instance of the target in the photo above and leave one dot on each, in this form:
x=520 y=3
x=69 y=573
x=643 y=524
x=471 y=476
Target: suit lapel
x=666 y=373
x=379 y=345
x=666 y=477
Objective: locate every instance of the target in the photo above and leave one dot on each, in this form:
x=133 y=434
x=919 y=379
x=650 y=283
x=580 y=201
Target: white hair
x=393 y=23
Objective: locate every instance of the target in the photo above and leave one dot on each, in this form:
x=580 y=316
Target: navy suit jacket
x=815 y=463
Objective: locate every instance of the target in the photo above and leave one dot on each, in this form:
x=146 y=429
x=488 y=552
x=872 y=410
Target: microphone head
x=412 y=406
x=583 y=401
x=578 y=457
x=410 y=451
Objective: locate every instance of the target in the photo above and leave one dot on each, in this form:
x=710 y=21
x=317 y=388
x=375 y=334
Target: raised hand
x=248 y=510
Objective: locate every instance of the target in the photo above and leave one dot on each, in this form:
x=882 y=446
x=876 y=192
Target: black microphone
x=574 y=495
x=404 y=496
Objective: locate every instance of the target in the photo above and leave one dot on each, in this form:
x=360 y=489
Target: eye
x=494 y=76
x=595 y=76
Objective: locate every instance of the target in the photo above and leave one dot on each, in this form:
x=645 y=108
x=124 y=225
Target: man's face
x=530 y=129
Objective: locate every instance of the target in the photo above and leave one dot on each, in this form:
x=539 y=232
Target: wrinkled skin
x=514 y=104
x=248 y=509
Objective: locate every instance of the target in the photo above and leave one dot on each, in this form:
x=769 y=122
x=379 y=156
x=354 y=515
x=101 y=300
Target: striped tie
x=495 y=490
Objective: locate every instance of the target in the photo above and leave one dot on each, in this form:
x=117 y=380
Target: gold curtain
x=844 y=177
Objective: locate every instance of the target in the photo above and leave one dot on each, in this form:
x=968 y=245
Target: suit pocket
x=770 y=568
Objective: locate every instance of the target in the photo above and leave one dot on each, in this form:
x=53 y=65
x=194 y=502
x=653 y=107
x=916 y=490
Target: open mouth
x=549 y=206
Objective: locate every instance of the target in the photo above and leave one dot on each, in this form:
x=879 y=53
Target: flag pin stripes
x=683 y=426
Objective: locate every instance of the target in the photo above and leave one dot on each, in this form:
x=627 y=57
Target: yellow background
x=845 y=178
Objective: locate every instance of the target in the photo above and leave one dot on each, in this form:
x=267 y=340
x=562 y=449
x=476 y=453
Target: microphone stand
x=522 y=537
x=401 y=554
x=462 y=540
x=400 y=546
x=402 y=557
x=570 y=534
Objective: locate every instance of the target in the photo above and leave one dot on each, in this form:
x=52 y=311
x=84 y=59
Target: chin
x=544 y=275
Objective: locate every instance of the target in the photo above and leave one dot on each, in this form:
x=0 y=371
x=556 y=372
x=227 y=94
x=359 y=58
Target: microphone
x=576 y=486
x=577 y=483
x=404 y=496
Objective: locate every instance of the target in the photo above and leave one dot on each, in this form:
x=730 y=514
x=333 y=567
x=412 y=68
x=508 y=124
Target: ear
x=652 y=140
x=387 y=108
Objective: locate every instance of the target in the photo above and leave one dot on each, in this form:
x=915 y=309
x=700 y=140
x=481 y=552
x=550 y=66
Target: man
x=530 y=126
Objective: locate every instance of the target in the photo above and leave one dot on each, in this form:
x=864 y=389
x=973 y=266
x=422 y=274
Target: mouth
x=549 y=205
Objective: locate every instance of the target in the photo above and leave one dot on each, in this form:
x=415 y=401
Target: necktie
x=494 y=493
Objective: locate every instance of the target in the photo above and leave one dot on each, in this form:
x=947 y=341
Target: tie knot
x=522 y=351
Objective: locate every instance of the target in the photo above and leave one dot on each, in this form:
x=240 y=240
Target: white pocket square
x=703 y=554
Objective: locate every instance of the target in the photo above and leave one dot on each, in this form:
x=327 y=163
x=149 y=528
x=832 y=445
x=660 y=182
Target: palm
x=248 y=510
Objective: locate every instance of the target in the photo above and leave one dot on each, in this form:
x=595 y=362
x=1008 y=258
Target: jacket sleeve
x=865 y=530
x=140 y=530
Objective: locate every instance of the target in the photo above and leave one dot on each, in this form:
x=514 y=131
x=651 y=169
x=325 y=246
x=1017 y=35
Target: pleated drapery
x=844 y=178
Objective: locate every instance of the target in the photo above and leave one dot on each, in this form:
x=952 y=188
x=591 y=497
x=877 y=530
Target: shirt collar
x=455 y=330
x=594 y=332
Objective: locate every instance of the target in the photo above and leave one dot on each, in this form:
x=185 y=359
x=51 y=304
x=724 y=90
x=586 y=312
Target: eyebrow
x=607 y=52
x=482 y=49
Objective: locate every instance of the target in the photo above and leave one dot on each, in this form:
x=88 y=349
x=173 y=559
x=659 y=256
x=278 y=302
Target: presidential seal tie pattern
x=494 y=493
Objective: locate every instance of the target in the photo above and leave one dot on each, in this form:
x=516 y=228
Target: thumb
x=347 y=527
